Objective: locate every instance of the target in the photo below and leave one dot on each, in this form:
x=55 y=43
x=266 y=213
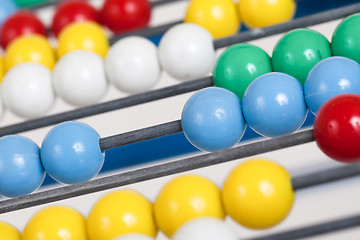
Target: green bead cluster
x=27 y=3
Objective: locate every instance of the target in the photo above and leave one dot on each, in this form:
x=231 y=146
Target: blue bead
x=21 y=171
x=274 y=105
x=331 y=77
x=7 y=8
x=212 y=119
x=70 y=152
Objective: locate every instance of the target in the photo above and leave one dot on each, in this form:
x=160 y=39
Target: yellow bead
x=56 y=223
x=33 y=48
x=219 y=17
x=119 y=213
x=185 y=198
x=2 y=68
x=8 y=232
x=263 y=13
x=258 y=194
x=83 y=36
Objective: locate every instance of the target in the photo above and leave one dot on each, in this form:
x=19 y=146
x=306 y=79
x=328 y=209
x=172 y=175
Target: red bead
x=125 y=15
x=20 y=23
x=73 y=11
x=337 y=128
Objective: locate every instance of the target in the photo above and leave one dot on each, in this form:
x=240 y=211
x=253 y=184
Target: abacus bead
x=297 y=52
x=331 y=77
x=27 y=90
x=21 y=171
x=7 y=8
x=2 y=69
x=27 y=3
x=79 y=78
x=9 y=232
x=132 y=64
x=239 y=65
x=134 y=236
x=274 y=105
x=185 y=198
x=258 y=194
x=70 y=152
x=56 y=223
x=187 y=52
x=337 y=128
x=119 y=213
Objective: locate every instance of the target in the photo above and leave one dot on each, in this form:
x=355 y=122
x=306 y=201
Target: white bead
x=2 y=107
x=132 y=64
x=134 y=236
x=187 y=51
x=27 y=90
x=79 y=78
x=204 y=228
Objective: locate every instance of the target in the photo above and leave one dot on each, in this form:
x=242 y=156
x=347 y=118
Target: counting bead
x=239 y=65
x=134 y=236
x=220 y=18
x=258 y=194
x=274 y=105
x=263 y=13
x=297 y=52
x=8 y=232
x=85 y=36
x=34 y=48
x=27 y=90
x=187 y=52
x=7 y=8
x=79 y=78
x=331 y=77
x=119 y=213
x=337 y=128
x=125 y=15
x=21 y=171
x=70 y=152
x=27 y=3
x=2 y=68
x=185 y=198
x=132 y=64
x=56 y=223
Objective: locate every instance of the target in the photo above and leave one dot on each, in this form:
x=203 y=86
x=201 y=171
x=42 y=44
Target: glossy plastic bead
x=331 y=77
x=187 y=51
x=185 y=198
x=56 y=223
x=263 y=13
x=8 y=232
x=212 y=119
x=132 y=64
x=125 y=15
x=298 y=51
x=70 y=152
x=21 y=171
x=258 y=194
x=7 y=8
x=2 y=68
x=337 y=128
x=119 y=213
x=83 y=36
x=79 y=78
x=239 y=65
x=274 y=105
x=134 y=236
x=28 y=3
x=220 y=18
x=20 y=23
x=27 y=90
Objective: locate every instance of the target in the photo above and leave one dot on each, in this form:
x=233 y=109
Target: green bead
x=346 y=38
x=26 y=3
x=239 y=65
x=298 y=51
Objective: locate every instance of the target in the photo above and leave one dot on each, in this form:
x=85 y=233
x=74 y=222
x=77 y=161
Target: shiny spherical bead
x=56 y=223
x=79 y=78
x=274 y=105
x=34 y=48
x=297 y=52
x=7 y=8
x=132 y=64
x=187 y=52
x=220 y=18
x=83 y=36
x=119 y=213
x=258 y=194
x=2 y=68
x=185 y=198
x=70 y=152
x=8 y=232
x=134 y=236
x=263 y=13
x=21 y=171
x=239 y=65
x=27 y=90
x=331 y=77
